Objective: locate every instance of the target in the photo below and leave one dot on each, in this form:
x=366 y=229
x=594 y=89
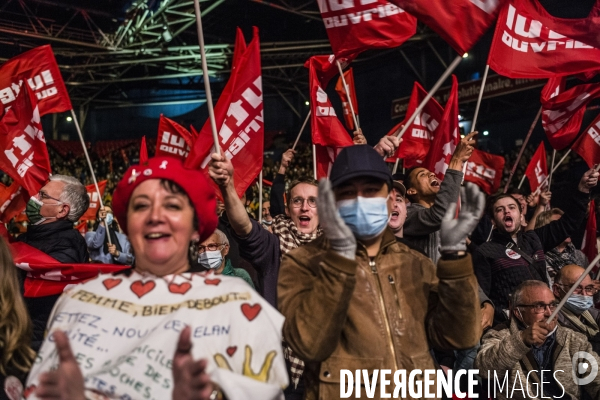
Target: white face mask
x=210 y=259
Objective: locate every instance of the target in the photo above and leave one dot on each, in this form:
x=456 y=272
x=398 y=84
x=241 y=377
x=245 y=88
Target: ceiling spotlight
x=465 y=55
x=485 y=133
x=306 y=102
x=69 y=119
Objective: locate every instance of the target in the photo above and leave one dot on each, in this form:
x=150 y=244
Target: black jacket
x=60 y=241
x=498 y=274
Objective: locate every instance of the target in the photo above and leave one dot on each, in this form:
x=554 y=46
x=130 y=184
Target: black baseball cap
x=359 y=161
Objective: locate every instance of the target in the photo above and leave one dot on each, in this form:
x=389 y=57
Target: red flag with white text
x=173 y=139
x=90 y=214
x=531 y=43
x=553 y=88
x=485 y=170
x=537 y=170
x=341 y=91
x=25 y=157
x=355 y=26
x=459 y=22
x=446 y=137
x=13 y=200
x=589 y=245
x=37 y=68
x=143 y=151
x=588 y=144
x=562 y=114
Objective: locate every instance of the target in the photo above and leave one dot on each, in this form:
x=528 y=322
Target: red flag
x=39 y=69
x=417 y=139
x=589 y=246
x=94 y=200
x=562 y=114
x=553 y=88
x=537 y=170
x=448 y=18
x=13 y=200
x=485 y=170
x=446 y=137
x=530 y=43
x=144 y=151
x=325 y=156
x=239 y=115
x=339 y=88
x=588 y=145
x=354 y=26
x=327 y=130
x=25 y=156
x=173 y=139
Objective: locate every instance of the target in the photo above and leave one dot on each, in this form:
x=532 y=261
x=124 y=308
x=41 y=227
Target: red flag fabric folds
x=325 y=156
x=13 y=200
x=341 y=91
x=459 y=22
x=588 y=145
x=90 y=214
x=25 y=156
x=537 y=170
x=485 y=170
x=589 y=246
x=446 y=137
x=173 y=139
x=562 y=114
x=354 y=26
x=39 y=69
x=144 y=151
x=530 y=43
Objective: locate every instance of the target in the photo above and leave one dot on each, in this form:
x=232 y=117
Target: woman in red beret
x=162 y=330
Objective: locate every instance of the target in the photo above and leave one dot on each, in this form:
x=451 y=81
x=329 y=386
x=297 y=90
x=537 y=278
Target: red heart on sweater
x=142 y=288
x=212 y=281
x=231 y=350
x=249 y=311
x=111 y=283
x=181 y=288
x=28 y=390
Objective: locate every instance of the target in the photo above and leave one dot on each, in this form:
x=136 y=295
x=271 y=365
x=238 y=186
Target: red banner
x=588 y=145
x=325 y=156
x=537 y=170
x=485 y=170
x=530 y=43
x=13 y=200
x=553 y=88
x=446 y=137
x=562 y=114
x=39 y=69
x=90 y=214
x=459 y=22
x=25 y=156
x=144 y=151
x=354 y=26
x=589 y=246
x=341 y=91
x=173 y=139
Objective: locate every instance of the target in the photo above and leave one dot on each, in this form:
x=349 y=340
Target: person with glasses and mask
x=578 y=313
x=526 y=345
x=212 y=255
x=118 y=251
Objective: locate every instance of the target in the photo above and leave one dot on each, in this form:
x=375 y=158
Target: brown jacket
x=344 y=314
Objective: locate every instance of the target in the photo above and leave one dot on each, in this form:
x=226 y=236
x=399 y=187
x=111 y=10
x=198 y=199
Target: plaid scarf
x=291 y=238
x=555 y=259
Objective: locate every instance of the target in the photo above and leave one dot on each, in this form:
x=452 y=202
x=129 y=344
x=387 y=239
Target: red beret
x=194 y=183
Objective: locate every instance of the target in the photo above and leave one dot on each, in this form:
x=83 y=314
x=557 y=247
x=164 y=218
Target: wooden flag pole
x=396 y=165
x=348 y=94
x=522 y=180
x=552 y=171
x=87 y=157
x=315 y=161
x=211 y=111
x=260 y=199
x=301 y=130
x=514 y=168
x=433 y=90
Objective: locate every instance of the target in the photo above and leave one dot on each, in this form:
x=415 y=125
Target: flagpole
x=396 y=165
x=209 y=102
x=301 y=130
x=434 y=89
x=347 y=94
x=522 y=180
x=315 y=161
x=260 y=199
x=514 y=168
x=552 y=171
x=474 y=124
x=551 y=168
x=87 y=157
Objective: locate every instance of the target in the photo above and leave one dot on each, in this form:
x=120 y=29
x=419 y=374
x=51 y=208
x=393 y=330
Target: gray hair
x=74 y=194
x=222 y=236
x=517 y=295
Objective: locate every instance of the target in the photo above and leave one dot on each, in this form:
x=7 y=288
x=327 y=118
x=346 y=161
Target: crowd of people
x=364 y=271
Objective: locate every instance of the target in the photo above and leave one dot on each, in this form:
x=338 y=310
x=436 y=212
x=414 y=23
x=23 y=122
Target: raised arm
x=278 y=188
x=543 y=199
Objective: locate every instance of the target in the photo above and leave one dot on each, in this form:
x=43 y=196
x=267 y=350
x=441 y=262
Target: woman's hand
x=189 y=377
x=112 y=250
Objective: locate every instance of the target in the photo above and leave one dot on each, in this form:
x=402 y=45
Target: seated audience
x=117 y=252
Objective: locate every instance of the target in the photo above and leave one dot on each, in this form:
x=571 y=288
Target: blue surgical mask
x=578 y=303
x=211 y=259
x=366 y=217
x=109 y=218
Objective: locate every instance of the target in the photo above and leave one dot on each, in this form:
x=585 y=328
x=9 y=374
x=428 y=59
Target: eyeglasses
x=298 y=202
x=45 y=196
x=539 y=308
x=589 y=290
x=210 y=247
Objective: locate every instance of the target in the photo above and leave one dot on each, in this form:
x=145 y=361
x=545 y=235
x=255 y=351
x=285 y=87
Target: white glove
x=340 y=237
x=454 y=232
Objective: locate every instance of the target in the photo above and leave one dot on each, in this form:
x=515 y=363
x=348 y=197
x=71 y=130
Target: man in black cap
x=355 y=298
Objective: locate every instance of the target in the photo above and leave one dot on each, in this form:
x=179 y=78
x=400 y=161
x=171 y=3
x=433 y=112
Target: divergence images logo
x=583 y=363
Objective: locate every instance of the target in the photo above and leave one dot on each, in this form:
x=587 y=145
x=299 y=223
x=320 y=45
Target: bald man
x=578 y=313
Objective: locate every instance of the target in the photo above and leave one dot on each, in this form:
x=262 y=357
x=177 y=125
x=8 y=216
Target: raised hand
x=588 y=180
x=286 y=159
x=359 y=138
x=340 y=237
x=220 y=169
x=191 y=382
x=536 y=333
x=453 y=232
x=387 y=145
x=463 y=151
